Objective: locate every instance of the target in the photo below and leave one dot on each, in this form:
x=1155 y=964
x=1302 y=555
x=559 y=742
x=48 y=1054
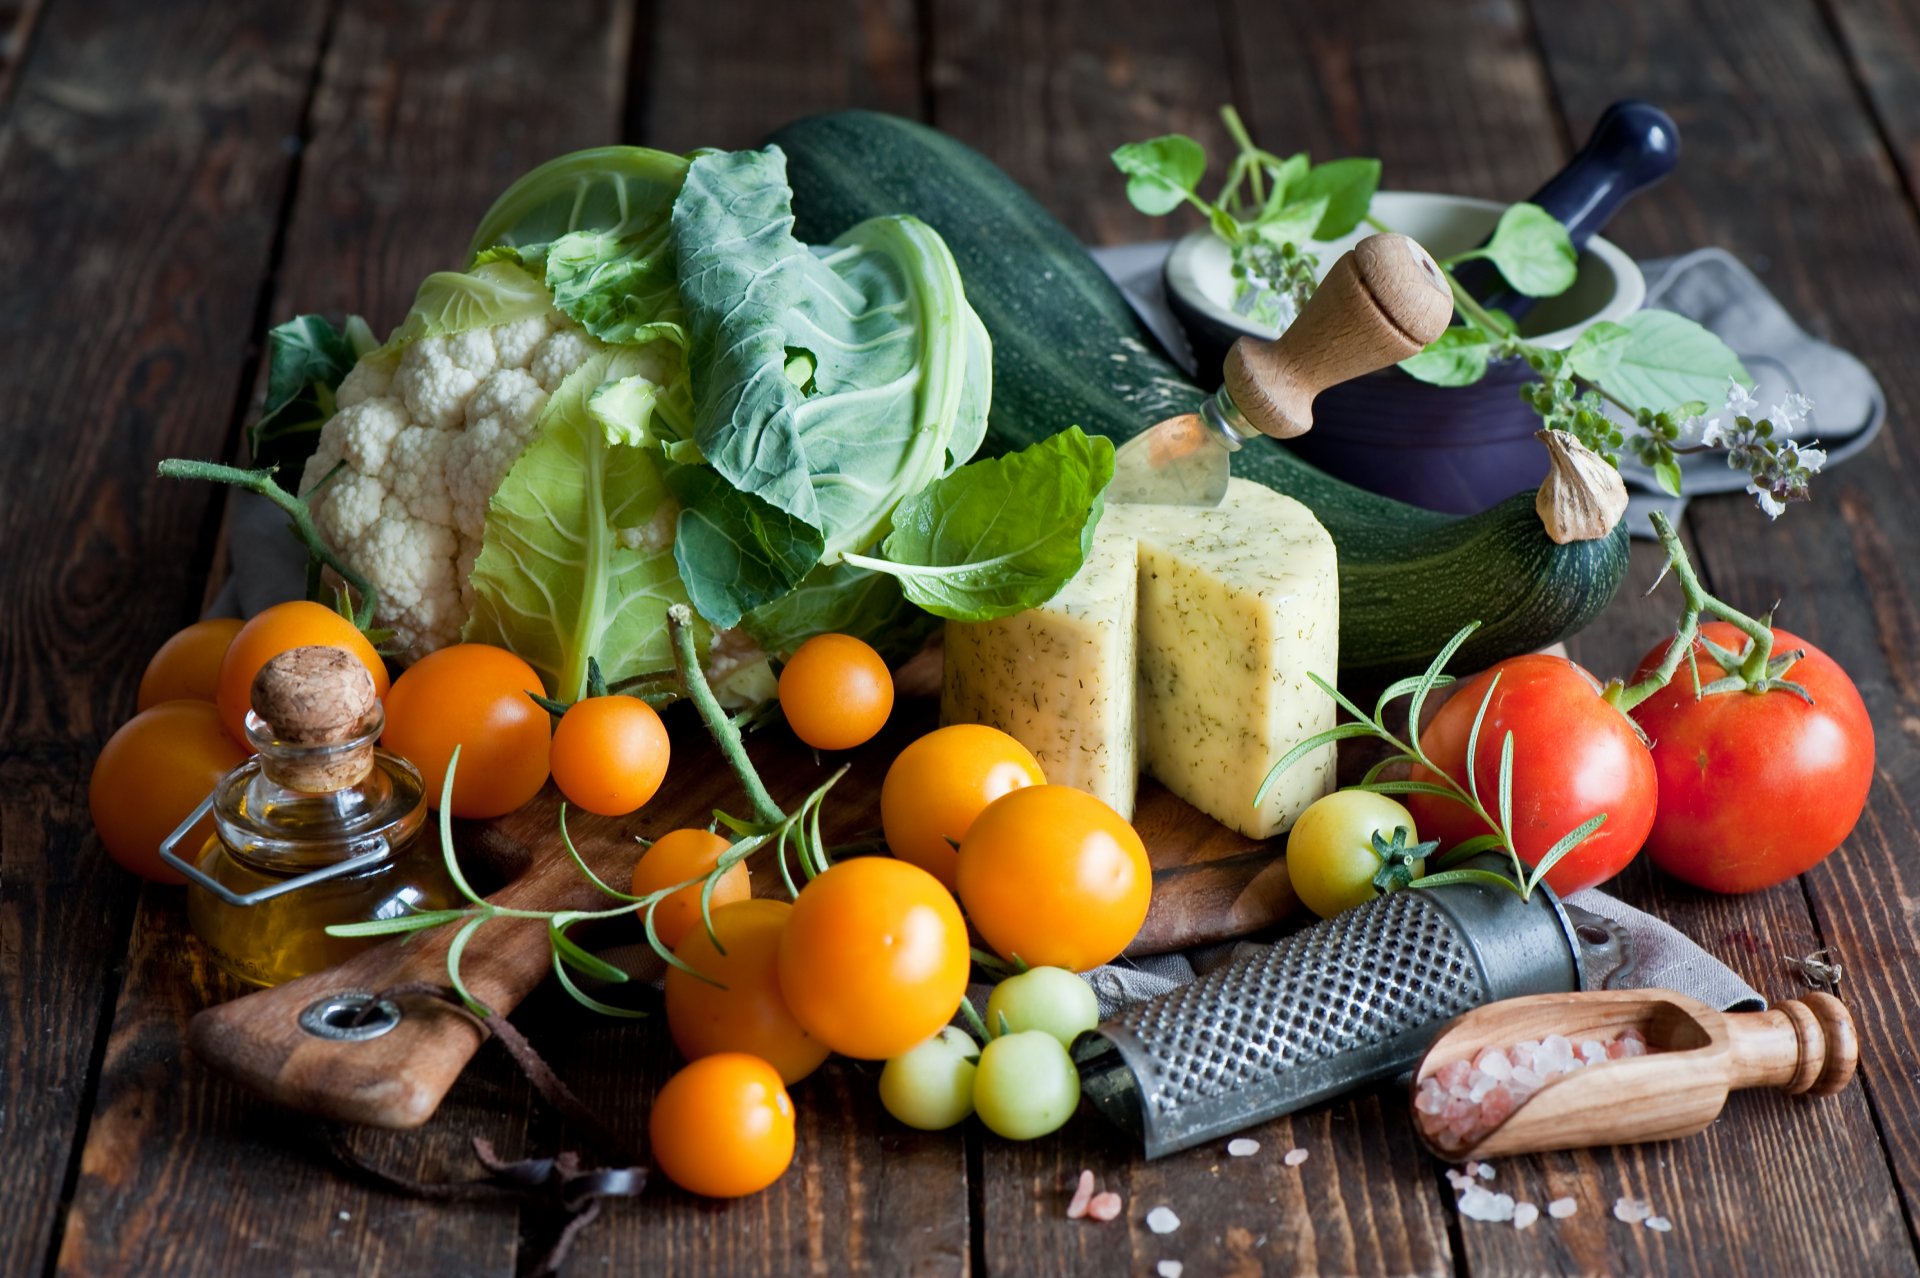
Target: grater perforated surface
x=1357 y=981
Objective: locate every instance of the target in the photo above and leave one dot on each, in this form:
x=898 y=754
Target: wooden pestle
x=1695 y=1056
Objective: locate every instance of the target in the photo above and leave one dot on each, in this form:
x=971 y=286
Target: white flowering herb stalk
x=1641 y=386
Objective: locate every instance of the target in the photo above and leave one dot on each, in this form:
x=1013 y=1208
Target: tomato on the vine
x=1054 y=877
x=609 y=754
x=874 y=959
x=1331 y=860
x=941 y=782
x=1755 y=787
x=723 y=1126
x=681 y=856
x=745 y=1011
x=151 y=775
x=1574 y=756
x=836 y=692
x=295 y=624
x=187 y=666
x=473 y=696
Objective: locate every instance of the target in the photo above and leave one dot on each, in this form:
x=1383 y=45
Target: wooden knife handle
x=396 y=1080
x=1385 y=299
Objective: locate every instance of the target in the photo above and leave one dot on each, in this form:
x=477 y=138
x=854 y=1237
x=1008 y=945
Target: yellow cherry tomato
x=150 y=775
x=1330 y=856
x=723 y=1126
x=836 y=692
x=940 y=783
x=473 y=696
x=187 y=666
x=677 y=857
x=609 y=754
x=745 y=1011
x=274 y=631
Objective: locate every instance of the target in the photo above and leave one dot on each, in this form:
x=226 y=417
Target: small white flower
x=1791 y=411
x=1712 y=433
x=1740 y=400
x=1767 y=501
x=1808 y=459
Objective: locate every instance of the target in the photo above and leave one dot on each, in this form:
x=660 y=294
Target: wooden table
x=173 y=177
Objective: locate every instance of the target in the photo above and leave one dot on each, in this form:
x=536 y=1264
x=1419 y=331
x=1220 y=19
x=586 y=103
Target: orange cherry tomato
x=1054 y=876
x=940 y=783
x=151 y=774
x=874 y=958
x=609 y=754
x=723 y=1126
x=836 y=692
x=272 y=632
x=473 y=696
x=750 y=1014
x=187 y=666
x=676 y=857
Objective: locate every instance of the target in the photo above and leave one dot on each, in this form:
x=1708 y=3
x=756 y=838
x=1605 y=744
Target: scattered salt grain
x=1561 y=1208
x=1524 y=1214
x=1458 y=1179
x=346 y=1215
x=1484 y=1170
x=1082 y=1195
x=1105 y=1206
x=1483 y=1204
x=1295 y=1157
x=1169 y=1269
x=1631 y=1210
x=1659 y=1224
x=1161 y=1220
x=1243 y=1148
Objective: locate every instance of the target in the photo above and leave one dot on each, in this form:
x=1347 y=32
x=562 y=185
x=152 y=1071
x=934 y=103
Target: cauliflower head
x=426 y=436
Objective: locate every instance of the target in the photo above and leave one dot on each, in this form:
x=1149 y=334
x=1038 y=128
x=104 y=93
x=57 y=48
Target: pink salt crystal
x=1454 y=1074
x=1633 y=1034
x=1524 y=1214
x=1482 y=1084
x=1633 y=1047
x=1105 y=1206
x=1631 y=1210
x=1561 y=1208
x=1496 y=1107
x=1493 y=1063
x=1528 y=1077
x=1431 y=1099
x=1591 y=1051
x=1457 y=1108
x=1295 y=1157
x=1082 y=1195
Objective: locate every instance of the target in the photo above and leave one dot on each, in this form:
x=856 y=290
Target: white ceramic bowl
x=1608 y=287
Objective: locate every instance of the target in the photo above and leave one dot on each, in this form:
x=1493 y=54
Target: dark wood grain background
x=174 y=176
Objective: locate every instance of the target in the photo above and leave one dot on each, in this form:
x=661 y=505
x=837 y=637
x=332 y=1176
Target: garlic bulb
x=1583 y=496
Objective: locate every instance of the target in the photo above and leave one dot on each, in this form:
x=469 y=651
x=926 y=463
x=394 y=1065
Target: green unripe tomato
x=1050 y=999
x=931 y=1086
x=1025 y=1086
x=1330 y=855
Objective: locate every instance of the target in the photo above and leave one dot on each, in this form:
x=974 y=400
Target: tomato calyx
x=1397 y=859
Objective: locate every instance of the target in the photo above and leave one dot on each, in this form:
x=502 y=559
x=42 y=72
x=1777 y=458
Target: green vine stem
x=261 y=482
x=1754 y=670
x=726 y=733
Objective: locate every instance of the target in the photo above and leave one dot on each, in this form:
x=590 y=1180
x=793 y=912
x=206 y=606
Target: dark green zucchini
x=1067 y=349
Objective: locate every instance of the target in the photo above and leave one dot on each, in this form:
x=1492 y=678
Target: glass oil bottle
x=320 y=827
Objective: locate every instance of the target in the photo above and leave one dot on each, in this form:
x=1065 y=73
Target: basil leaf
x=1161 y=172
x=1293 y=224
x=734 y=551
x=1668 y=359
x=1348 y=186
x=1596 y=352
x=307 y=358
x=1000 y=535
x=1458 y=357
x=1531 y=249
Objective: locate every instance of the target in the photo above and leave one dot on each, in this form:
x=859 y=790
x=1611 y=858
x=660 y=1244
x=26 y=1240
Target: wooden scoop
x=1695 y=1056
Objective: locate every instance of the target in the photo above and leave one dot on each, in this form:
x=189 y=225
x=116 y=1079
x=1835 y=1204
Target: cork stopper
x=319 y=704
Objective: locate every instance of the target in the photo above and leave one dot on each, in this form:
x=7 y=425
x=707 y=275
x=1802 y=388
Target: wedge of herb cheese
x=1182 y=649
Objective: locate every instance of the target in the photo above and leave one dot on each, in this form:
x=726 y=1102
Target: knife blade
x=1384 y=300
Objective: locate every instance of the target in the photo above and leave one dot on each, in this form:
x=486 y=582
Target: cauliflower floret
x=426 y=440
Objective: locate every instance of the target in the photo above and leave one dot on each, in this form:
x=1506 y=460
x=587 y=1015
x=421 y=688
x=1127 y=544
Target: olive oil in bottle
x=319 y=804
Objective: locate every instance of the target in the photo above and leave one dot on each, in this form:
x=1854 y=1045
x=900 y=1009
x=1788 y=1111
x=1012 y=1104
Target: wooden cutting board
x=1210 y=884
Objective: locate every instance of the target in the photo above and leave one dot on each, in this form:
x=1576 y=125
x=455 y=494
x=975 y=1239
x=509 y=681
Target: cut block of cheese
x=1196 y=674
x=1059 y=678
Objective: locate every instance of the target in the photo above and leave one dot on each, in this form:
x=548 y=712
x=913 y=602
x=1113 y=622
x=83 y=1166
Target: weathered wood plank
x=1832 y=230
x=725 y=74
x=17 y=21
x=142 y=178
x=424 y=111
x=1881 y=40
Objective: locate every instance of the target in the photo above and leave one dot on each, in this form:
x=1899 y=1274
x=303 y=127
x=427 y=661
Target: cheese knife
x=1384 y=300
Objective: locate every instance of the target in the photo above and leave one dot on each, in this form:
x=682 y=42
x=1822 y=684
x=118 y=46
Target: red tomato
x=150 y=775
x=836 y=692
x=188 y=665
x=473 y=696
x=874 y=958
x=723 y=1126
x=609 y=754
x=272 y=632
x=940 y=783
x=1755 y=787
x=1574 y=756
x=680 y=856
x=745 y=1012
x=1055 y=877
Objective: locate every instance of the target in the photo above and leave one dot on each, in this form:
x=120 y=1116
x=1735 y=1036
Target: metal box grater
x=1354 y=998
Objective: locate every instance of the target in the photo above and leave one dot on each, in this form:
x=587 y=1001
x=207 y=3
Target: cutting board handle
x=1384 y=300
